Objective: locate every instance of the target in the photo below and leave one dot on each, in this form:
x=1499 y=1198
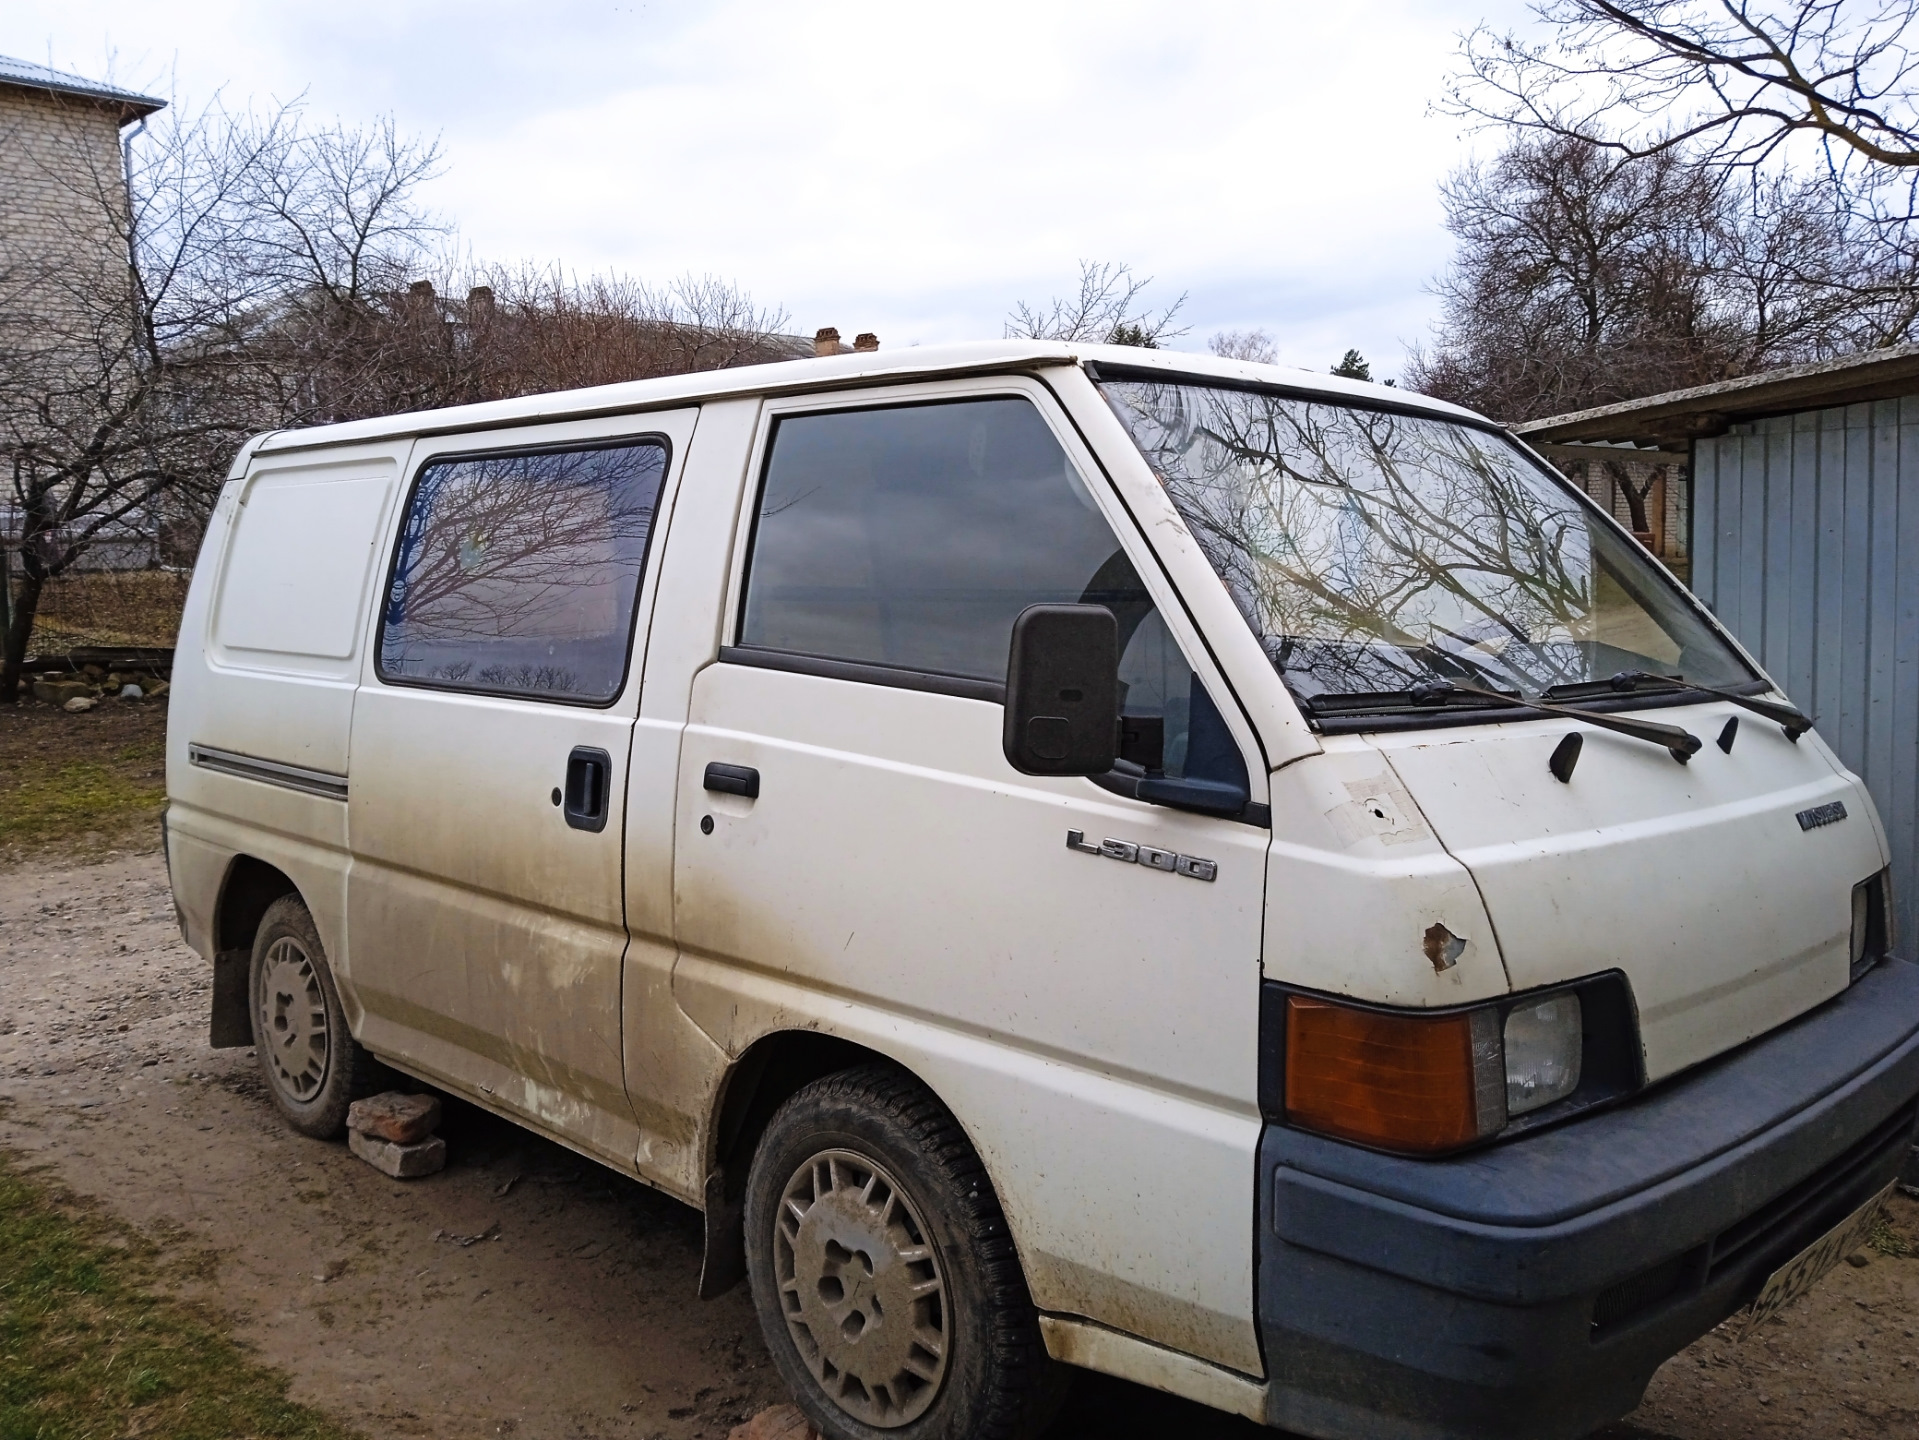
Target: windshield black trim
x=1363 y=722
x=1099 y=374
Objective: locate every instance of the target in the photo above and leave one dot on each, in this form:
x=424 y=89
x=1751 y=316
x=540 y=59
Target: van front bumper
x=1532 y=1289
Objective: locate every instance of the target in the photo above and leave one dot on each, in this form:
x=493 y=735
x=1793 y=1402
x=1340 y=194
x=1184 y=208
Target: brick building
x=61 y=175
x=62 y=223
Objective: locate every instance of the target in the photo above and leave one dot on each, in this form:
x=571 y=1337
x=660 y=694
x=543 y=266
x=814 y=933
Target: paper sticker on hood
x=1381 y=809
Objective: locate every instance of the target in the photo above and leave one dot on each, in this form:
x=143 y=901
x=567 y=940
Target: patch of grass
x=1887 y=1239
x=89 y=1350
x=81 y=782
x=72 y=799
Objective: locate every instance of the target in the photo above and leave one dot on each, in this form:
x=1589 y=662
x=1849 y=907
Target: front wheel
x=314 y=1068
x=885 y=1279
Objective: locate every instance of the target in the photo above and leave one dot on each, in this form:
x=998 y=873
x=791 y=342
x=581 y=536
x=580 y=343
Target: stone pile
x=393 y=1133
x=93 y=683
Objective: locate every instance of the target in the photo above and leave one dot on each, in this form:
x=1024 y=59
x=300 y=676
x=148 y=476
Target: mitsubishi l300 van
x=1068 y=856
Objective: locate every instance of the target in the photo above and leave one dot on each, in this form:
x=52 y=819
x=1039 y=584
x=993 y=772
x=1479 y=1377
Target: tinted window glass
x=1155 y=682
x=518 y=573
x=912 y=537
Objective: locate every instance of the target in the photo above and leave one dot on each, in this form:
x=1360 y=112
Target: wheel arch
x=770 y=1070
x=249 y=887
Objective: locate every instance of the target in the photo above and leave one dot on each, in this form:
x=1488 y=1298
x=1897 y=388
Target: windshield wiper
x=1682 y=745
x=1791 y=719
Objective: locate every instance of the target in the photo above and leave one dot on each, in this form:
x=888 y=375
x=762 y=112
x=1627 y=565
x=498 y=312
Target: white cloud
x=904 y=168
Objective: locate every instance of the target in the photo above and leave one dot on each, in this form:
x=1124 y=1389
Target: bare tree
x=126 y=369
x=256 y=272
x=475 y=333
x=1811 y=106
x=1254 y=345
x=1586 y=276
x=1108 y=309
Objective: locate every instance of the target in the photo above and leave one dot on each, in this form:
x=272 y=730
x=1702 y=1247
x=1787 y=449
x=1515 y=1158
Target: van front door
x=855 y=852
x=488 y=765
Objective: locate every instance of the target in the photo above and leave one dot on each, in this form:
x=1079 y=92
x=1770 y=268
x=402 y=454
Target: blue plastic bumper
x=1532 y=1289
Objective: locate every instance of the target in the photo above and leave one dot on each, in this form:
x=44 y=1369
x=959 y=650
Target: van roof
x=832 y=372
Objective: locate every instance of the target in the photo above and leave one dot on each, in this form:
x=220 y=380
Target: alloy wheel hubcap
x=861 y=1288
x=293 y=1019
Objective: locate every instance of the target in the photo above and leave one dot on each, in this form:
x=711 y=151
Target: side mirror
x=1062 y=691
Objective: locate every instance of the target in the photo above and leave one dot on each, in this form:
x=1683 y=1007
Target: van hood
x=1728 y=913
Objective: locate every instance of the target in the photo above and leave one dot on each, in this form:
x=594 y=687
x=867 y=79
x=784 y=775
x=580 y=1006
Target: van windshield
x=1374 y=552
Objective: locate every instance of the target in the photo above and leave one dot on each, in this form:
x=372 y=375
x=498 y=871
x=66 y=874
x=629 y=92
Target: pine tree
x=1353 y=366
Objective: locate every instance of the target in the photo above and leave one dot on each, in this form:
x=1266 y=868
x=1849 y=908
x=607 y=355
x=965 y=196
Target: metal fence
x=1806 y=544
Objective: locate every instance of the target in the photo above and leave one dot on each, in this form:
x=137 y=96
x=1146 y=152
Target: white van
x=1237 y=879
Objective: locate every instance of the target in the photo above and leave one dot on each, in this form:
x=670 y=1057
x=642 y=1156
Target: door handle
x=589 y=783
x=733 y=780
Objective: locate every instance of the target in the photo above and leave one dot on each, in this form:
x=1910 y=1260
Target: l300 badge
x=1153 y=858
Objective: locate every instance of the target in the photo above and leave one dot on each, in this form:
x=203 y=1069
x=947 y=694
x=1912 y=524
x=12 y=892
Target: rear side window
x=911 y=537
x=518 y=574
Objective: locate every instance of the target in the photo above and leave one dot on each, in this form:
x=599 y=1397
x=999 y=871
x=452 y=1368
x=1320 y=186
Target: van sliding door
x=490 y=743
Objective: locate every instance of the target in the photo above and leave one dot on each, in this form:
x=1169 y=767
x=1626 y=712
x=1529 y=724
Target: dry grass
x=81 y=784
x=1889 y=1240
x=128 y=607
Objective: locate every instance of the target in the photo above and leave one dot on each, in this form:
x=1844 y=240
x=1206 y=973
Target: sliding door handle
x=589 y=785
x=733 y=780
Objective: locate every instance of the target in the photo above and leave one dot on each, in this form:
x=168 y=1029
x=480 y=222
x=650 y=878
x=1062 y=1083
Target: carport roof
x=1670 y=421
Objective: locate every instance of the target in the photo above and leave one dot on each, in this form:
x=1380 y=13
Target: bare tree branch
x=1106 y=310
x=1736 y=78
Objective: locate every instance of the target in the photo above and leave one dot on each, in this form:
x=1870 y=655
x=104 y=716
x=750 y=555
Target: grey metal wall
x=1806 y=544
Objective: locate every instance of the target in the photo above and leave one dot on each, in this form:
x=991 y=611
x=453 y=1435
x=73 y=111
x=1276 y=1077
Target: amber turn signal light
x=1414 y=1083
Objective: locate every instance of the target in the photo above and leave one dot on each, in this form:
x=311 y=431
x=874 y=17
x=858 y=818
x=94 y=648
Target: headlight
x=1871 y=922
x=1423 y=1083
x=1543 y=1052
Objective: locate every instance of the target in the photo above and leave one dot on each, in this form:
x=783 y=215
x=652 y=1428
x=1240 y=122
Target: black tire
x=313 y=1066
x=880 y=1167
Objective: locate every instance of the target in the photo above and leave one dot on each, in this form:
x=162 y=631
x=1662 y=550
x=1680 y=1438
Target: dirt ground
x=525 y=1291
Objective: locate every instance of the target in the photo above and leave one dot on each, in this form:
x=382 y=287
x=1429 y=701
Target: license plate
x=1805 y=1270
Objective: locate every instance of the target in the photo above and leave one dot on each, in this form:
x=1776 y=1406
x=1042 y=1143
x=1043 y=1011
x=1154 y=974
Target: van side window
x=912 y=537
x=517 y=574
x=1155 y=682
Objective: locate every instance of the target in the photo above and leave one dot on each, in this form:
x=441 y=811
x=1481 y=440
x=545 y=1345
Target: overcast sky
x=908 y=169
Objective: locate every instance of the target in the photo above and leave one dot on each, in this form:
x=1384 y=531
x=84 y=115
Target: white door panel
x=894 y=862
x=1092 y=1022
x=498 y=926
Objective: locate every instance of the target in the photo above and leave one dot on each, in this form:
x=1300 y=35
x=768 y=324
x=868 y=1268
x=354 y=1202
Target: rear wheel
x=883 y=1273
x=313 y=1066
